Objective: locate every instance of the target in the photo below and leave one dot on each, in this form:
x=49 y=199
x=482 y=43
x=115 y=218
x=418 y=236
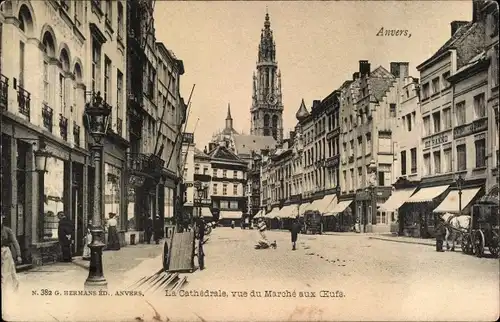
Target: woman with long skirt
x=113 y=240
x=86 y=241
x=10 y=250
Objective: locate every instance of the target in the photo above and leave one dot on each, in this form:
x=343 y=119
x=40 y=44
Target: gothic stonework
x=267 y=104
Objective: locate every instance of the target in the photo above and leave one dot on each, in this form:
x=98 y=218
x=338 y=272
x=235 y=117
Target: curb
x=402 y=241
x=81 y=263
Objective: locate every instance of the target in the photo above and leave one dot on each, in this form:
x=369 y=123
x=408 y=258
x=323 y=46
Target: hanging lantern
x=41 y=156
x=97 y=116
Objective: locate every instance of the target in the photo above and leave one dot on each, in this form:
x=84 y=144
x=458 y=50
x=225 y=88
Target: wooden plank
x=182 y=251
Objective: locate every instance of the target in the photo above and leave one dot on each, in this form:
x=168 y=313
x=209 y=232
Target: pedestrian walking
x=232 y=224
x=200 y=226
x=113 y=239
x=262 y=229
x=157 y=229
x=64 y=234
x=440 y=234
x=86 y=241
x=10 y=251
x=296 y=227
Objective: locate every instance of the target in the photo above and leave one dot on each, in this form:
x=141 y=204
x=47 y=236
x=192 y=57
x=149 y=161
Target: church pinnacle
x=229 y=119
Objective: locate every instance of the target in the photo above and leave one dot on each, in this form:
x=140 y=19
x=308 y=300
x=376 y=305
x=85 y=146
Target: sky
x=318 y=46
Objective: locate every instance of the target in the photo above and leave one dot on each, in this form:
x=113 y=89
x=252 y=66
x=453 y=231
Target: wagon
x=312 y=222
x=483 y=232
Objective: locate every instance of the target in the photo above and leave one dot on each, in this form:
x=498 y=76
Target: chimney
x=477 y=5
x=355 y=76
x=400 y=69
x=211 y=146
x=316 y=104
x=455 y=25
x=364 y=68
x=205 y=150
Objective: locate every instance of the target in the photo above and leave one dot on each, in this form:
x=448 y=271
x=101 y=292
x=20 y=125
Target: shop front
x=341 y=216
x=388 y=212
x=416 y=218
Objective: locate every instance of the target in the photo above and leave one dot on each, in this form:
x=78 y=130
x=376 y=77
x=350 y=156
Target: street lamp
x=97 y=115
x=371 y=181
x=460 y=182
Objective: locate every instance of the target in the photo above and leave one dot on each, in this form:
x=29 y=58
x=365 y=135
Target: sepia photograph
x=167 y=160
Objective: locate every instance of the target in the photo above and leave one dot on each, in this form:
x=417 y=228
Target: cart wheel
x=494 y=246
x=466 y=244
x=478 y=245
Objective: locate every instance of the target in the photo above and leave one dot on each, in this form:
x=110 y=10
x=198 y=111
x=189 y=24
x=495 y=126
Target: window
x=235 y=174
x=427 y=125
x=460 y=113
x=185 y=173
x=235 y=189
x=215 y=189
x=403 y=163
x=353 y=187
x=425 y=90
x=214 y=173
x=224 y=189
x=96 y=67
x=107 y=80
x=413 y=154
x=436 y=117
x=120 y=21
x=224 y=204
x=437 y=162
x=494 y=66
x=381 y=217
x=435 y=85
x=381 y=178
x=368 y=143
x=233 y=204
x=119 y=93
x=224 y=173
x=21 y=64
x=392 y=110
x=151 y=81
x=447 y=166
x=480 y=153
x=408 y=122
x=447 y=118
x=446 y=84
x=205 y=170
x=461 y=157
x=360 y=146
x=197 y=170
x=46 y=83
x=62 y=99
x=427 y=164
x=479 y=106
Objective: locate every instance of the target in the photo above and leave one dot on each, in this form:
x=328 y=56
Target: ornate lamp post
x=460 y=182
x=97 y=115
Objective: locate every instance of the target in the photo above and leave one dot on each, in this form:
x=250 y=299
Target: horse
x=455 y=226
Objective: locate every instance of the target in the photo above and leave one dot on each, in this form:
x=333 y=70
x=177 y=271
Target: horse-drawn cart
x=483 y=231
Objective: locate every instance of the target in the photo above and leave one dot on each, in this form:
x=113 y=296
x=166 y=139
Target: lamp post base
x=96 y=277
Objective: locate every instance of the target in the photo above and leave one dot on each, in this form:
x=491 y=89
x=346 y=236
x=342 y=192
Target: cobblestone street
x=376 y=279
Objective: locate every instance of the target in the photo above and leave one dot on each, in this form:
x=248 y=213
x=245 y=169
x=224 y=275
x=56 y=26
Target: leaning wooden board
x=182 y=252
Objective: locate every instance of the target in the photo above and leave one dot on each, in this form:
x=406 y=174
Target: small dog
x=274 y=245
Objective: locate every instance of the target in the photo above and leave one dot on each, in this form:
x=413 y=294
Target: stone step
x=23 y=267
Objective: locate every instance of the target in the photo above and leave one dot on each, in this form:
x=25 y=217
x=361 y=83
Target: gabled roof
x=200 y=154
x=449 y=44
x=224 y=154
x=380 y=80
x=245 y=144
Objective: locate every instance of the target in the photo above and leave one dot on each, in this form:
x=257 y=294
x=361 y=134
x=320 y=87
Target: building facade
x=267 y=103
x=73 y=46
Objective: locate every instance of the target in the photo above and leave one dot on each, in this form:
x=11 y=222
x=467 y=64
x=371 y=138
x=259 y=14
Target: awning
x=321 y=205
x=340 y=207
x=289 y=211
x=259 y=214
x=427 y=194
x=450 y=203
x=273 y=213
x=397 y=198
x=230 y=215
x=205 y=212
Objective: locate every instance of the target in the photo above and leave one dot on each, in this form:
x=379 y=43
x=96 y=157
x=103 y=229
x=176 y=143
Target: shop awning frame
x=225 y=214
x=396 y=200
x=427 y=194
x=339 y=208
x=206 y=213
x=450 y=202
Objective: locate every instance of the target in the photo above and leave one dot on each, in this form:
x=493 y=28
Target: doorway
x=77 y=208
x=23 y=149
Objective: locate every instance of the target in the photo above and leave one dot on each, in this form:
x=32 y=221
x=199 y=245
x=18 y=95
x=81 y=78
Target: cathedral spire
x=267 y=23
x=229 y=119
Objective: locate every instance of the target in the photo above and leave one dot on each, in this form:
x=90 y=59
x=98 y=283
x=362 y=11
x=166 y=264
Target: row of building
x=383 y=152
x=55 y=56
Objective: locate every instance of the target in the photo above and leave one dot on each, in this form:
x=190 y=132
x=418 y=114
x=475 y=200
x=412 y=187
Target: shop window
x=233 y=205
x=112 y=191
x=224 y=204
x=53 y=197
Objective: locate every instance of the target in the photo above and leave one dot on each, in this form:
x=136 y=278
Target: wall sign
x=471 y=128
x=437 y=140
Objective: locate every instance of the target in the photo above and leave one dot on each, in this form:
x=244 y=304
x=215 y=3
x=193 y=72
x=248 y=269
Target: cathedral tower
x=267 y=105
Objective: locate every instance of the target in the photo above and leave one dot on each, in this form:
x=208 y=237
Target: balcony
x=76 y=133
x=63 y=127
x=23 y=101
x=4 y=91
x=47 y=115
x=145 y=164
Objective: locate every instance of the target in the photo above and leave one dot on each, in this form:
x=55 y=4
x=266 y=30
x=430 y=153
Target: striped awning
x=339 y=208
x=451 y=202
x=427 y=194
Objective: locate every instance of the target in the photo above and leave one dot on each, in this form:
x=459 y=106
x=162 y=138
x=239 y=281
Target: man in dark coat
x=157 y=230
x=200 y=225
x=148 y=230
x=296 y=227
x=440 y=234
x=64 y=234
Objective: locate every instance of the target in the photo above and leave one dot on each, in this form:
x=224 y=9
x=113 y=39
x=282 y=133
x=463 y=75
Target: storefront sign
x=436 y=140
x=471 y=128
